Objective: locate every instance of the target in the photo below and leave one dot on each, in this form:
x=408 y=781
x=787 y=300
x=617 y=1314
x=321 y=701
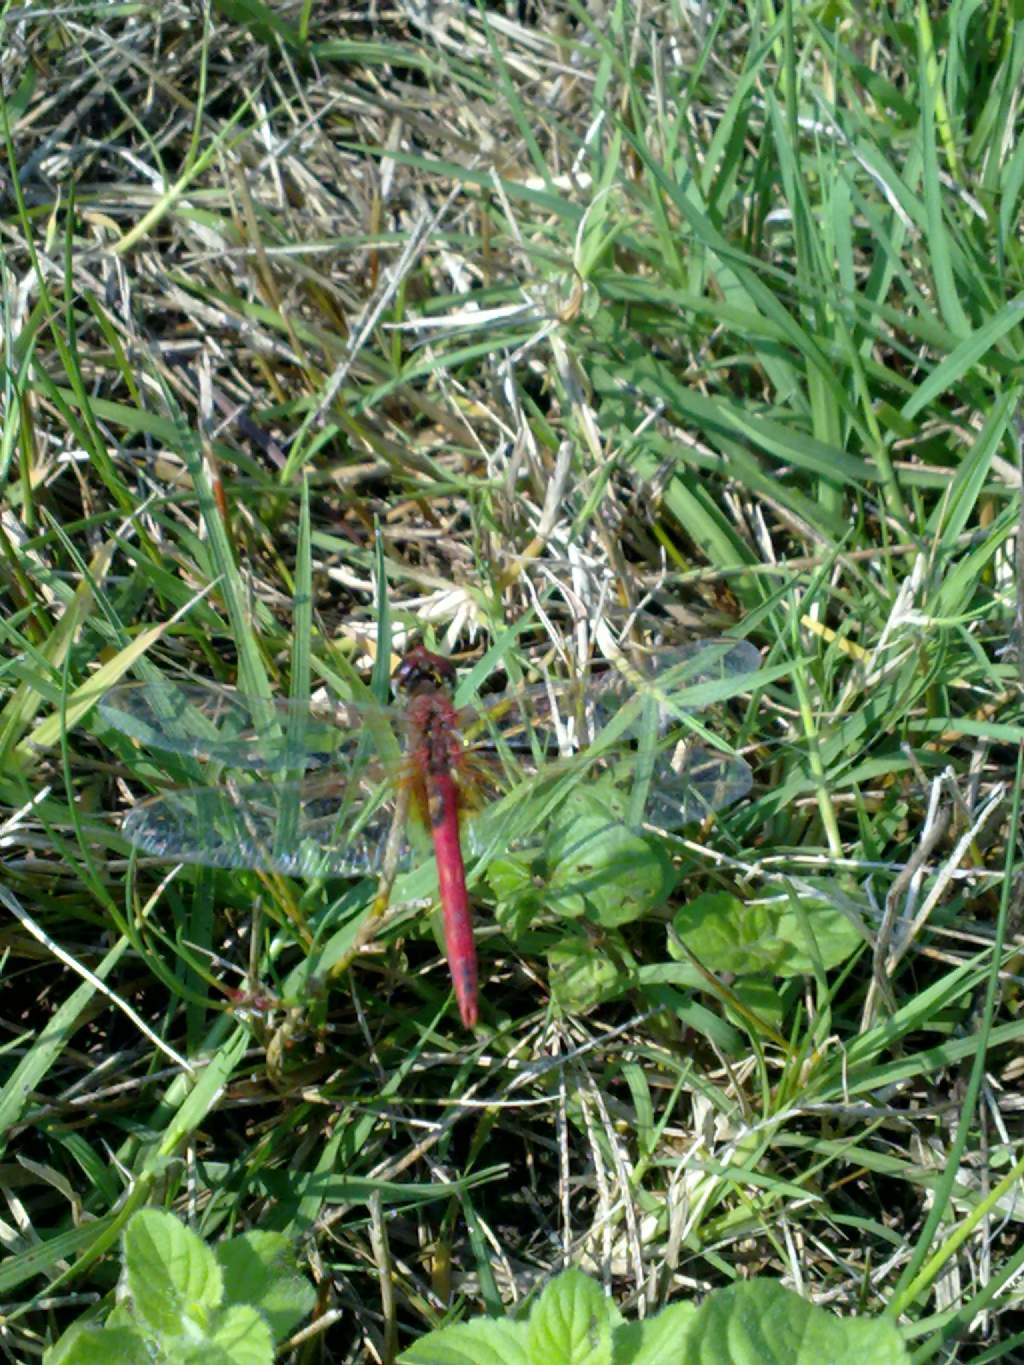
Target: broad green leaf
x=572 y=1323
x=591 y=864
x=760 y=995
x=172 y=1276
x=240 y=1336
x=518 y=890
x=761 y=1323
x=728 y=936
x=488 y=1341
x=259 y=1270
x=725 y=935
x=91 y=1345
x=600 y=867
x=660 y=1340
x=581 y=976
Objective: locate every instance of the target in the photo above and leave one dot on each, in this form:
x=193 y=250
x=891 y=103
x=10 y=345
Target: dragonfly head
x=420 y=671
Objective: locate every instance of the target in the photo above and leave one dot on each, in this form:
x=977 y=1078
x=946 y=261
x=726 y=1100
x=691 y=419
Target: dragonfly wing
x=685 y=781
x=303 y=829
x=679 y=680
x=202 y=720
x=563 y=715
x=695 y=783
x=690 y=783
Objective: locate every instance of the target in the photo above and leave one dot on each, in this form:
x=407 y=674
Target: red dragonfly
x=349 y=818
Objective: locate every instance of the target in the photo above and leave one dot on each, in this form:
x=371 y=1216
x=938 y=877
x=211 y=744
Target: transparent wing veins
x=337 y=822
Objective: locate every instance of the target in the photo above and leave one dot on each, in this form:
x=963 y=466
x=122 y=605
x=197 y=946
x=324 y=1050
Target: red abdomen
x=443 y=810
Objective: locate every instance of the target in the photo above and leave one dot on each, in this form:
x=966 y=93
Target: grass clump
x=527 y=334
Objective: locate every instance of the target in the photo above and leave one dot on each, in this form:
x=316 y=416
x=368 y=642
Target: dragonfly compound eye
x=422 y=671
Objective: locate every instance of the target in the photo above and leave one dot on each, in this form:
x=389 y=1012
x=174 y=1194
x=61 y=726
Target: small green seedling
x=573 y=1322
x=181 y=1302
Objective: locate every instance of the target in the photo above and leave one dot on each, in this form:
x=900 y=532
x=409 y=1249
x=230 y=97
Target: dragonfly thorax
x=432 y=725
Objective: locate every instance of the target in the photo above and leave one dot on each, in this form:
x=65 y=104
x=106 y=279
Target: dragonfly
x=351 y=788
